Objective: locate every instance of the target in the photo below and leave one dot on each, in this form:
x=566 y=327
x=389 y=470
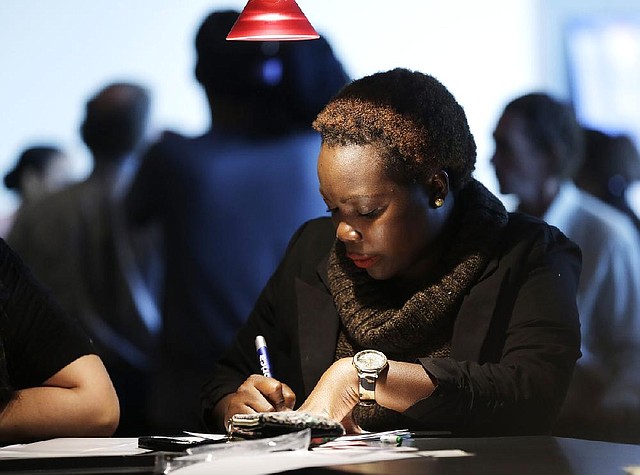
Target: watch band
x=367 y=388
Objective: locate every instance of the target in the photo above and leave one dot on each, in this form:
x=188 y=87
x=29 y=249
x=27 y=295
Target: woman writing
x=421 y=303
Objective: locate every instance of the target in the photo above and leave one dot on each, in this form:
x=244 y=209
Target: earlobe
x=439 y=188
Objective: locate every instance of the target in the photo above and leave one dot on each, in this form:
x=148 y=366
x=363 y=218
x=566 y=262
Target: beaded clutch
x=271 y=424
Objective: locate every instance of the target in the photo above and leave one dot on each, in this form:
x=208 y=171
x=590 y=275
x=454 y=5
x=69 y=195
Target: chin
x=378 y=274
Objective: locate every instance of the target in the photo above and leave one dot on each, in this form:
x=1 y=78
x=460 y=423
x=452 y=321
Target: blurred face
x=388 y=228
x=520 y=168
x=57 y=174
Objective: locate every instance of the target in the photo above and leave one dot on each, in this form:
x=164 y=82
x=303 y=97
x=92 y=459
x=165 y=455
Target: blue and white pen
x=263 y=356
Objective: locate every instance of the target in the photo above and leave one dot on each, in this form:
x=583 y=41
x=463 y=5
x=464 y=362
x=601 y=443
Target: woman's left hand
x=336 y=394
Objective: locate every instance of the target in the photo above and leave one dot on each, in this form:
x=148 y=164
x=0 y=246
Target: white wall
x=554 y=16
x=55 y=54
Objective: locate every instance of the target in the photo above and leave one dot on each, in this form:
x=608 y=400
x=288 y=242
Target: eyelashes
x=368 y=214
x=371 y=214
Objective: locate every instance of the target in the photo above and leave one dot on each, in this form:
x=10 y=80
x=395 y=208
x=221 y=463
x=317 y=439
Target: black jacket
x=515 y=342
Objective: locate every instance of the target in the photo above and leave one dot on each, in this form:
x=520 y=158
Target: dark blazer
x=515 y=341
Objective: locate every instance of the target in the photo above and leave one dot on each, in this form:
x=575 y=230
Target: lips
x=363 y=261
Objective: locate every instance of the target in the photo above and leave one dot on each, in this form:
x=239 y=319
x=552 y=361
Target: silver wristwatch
x=369 y=364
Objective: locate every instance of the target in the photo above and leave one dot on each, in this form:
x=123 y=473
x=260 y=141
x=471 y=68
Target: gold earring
x=438 y=202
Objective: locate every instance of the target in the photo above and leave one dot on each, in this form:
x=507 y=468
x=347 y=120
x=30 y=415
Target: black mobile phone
x=173 y=444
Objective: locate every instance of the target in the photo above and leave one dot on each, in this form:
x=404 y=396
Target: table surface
x=505 y=455
x=492 y=455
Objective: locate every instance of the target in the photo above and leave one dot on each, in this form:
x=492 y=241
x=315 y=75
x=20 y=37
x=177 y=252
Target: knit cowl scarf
x=378 y=314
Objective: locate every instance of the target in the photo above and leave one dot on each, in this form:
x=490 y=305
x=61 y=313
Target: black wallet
x=271 y=424
x=174 y=444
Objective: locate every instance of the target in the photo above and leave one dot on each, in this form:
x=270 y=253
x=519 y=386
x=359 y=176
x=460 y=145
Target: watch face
x=370 y=360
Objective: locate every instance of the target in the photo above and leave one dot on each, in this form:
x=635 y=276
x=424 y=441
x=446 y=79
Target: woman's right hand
x=257 y=394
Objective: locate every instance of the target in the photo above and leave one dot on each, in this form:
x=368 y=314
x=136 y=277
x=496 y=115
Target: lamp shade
x=272 y=20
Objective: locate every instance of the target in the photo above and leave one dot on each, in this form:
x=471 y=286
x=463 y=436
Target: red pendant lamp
x=272 y=20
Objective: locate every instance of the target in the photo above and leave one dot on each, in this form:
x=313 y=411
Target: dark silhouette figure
x=76 y=242
x=611 y=164
x=229 y=200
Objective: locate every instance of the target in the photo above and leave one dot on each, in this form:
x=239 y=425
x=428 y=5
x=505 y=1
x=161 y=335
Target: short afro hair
x=410 y=116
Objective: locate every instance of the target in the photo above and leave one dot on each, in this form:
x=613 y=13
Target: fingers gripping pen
x=263 y=356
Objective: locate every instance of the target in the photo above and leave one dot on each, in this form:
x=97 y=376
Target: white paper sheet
x=200 y=435
x=281 y=461
x=73 y=447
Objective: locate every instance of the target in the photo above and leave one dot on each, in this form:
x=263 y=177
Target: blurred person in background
x=40 y=169
x=229 y=199
x=611 y=165
x=77 y=243
x=539 y=146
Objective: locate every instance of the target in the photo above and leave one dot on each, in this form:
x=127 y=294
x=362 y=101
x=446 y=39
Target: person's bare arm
x=398 y=388
x=77 y=401
x=403 y=385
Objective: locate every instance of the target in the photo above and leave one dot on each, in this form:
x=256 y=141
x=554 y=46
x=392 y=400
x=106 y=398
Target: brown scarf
x=375 y=314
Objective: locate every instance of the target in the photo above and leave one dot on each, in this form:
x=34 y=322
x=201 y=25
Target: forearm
x=399 y=387
x=53 y=412
x=403 y=385
x=77 y=401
